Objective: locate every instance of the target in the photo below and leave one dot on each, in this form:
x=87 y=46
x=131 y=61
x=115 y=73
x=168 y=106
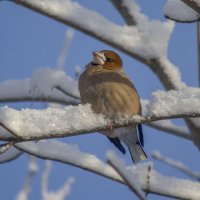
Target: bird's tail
x=134 y=142
x=137 y=152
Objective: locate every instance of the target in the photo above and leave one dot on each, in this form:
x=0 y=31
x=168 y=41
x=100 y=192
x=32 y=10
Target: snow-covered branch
x=63 y=54
x=26 y=189
x=11 y=154
x=182 y=11
x=164 y=105
x=178 y=165
x=125 y=11
x=56 y=87
x=130 y=179
x=194 y=4
x=169 y=127
x=129 y=39
x=61 y=193
x=149 y=180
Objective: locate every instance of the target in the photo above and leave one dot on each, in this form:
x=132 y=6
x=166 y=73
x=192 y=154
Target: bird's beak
x=98 y=58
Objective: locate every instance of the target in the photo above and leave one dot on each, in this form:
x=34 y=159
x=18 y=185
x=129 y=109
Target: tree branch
x=99 y=33
x=124 y=11
x=47 y=99
x=36 y=89
x=161 y=66
x=61 y=152
x=192 y=4
x=129 y=178
x=178 y=165
x=170 y=128
x=67 y=93
x=11 y=154
x=54 y=133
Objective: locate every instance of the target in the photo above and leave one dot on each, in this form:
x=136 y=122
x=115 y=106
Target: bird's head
x=107 y=59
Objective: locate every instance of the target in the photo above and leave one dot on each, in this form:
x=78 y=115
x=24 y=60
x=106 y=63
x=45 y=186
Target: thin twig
x=31 y=98
x=67 y=93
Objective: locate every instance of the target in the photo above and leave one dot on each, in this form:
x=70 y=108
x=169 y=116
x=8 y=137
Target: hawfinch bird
x=106 y=87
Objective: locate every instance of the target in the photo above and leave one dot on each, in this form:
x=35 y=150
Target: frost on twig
x=61 y=193
x=70 y=154
x=129 y=178
x=178 y=165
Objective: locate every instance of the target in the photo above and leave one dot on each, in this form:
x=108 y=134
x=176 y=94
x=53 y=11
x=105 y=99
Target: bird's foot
x=111 y=130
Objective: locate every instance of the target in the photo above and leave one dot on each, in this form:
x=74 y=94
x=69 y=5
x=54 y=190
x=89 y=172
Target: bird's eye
x=109 y=60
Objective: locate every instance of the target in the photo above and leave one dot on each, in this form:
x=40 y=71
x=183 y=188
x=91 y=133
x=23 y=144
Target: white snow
x=149 y=38
x=179 y=11
x=173 y=102
x=41 y=84
x=32 y=165
x=26 y=188
x=32 y=122
x=70 y=154
x=171 y=72
x=160 y=184
x=169 y=125
x=45 y=79
x=55 y=121
x=4 y=133
x=174 y=186
x=62 y=193
x=176 y=164
x=130 y=178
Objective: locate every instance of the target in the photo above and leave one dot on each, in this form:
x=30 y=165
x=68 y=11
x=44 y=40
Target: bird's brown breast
x=109 y=92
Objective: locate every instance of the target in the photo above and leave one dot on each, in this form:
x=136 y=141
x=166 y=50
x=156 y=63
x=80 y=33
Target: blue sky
x=29 y=41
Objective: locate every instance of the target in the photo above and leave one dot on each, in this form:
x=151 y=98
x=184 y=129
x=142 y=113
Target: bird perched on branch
x=106 y=87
